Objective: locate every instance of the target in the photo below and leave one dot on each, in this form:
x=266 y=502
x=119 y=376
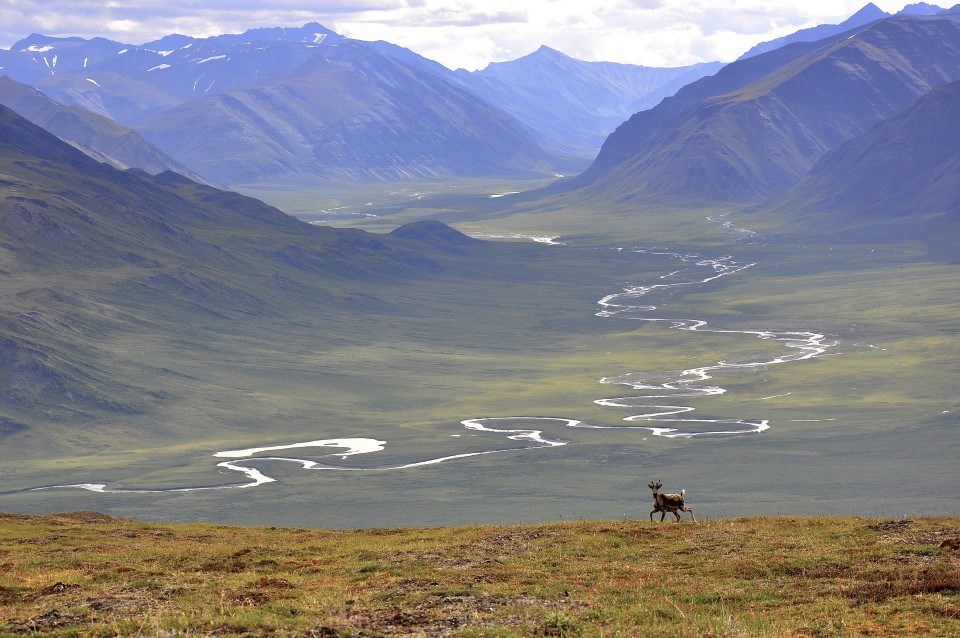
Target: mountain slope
x=99 y=137
x=352 y=113
x=90 y=256
x=893 y=177
x=865 y=15
x=758 y=126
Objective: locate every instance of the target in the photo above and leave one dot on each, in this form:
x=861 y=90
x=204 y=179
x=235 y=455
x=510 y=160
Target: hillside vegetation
x=89 y=574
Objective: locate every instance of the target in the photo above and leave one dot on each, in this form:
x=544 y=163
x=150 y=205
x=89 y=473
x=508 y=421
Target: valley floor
x=88 y=574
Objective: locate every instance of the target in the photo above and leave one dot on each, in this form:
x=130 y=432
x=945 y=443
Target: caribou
x=664 y=503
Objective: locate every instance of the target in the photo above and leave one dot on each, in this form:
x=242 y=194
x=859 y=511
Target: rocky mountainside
x=759 y=125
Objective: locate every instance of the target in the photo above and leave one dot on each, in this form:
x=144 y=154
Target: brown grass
x=85 y=574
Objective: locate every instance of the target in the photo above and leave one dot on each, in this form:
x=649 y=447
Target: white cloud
x=467 y=33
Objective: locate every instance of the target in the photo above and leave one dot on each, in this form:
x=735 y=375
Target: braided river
x=654 y=400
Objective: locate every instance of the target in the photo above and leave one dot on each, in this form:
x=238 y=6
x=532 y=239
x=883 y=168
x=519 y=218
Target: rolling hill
x=84 y=572
x=89 y=254
x=757 y=127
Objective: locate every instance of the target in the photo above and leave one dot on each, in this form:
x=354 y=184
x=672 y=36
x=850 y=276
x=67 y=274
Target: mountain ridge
x=97 y=136
x=326 y=117
x=573 y=104
x=865 y=15
x=759 y=125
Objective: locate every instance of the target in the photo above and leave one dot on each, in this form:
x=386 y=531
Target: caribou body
x=664 y=503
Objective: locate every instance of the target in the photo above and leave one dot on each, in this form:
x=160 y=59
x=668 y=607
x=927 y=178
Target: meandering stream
x=647 y=410
x=692 y=382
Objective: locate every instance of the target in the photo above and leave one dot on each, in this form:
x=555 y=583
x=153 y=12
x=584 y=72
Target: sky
x=458 y=33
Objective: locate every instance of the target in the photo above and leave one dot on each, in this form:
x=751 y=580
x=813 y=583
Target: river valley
x=647 y=411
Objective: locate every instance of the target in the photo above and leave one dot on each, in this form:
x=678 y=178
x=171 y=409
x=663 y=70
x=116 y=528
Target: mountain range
x=306 y=101
x=298 y=101
x=274 y=103
x=758 y=126
x=572 y=105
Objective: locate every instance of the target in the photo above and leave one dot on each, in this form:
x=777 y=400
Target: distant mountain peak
x=920 y=9
x=40 y=40
x=311 y=32
x=545 y=50
x=172 y=41
x=868 y=13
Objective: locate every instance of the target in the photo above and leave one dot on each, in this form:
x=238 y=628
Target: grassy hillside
x=88 y=574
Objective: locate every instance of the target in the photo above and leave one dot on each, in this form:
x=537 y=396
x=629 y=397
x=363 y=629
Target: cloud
x=458 y=33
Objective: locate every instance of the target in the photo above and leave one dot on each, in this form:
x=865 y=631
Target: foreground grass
x=87 y=574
